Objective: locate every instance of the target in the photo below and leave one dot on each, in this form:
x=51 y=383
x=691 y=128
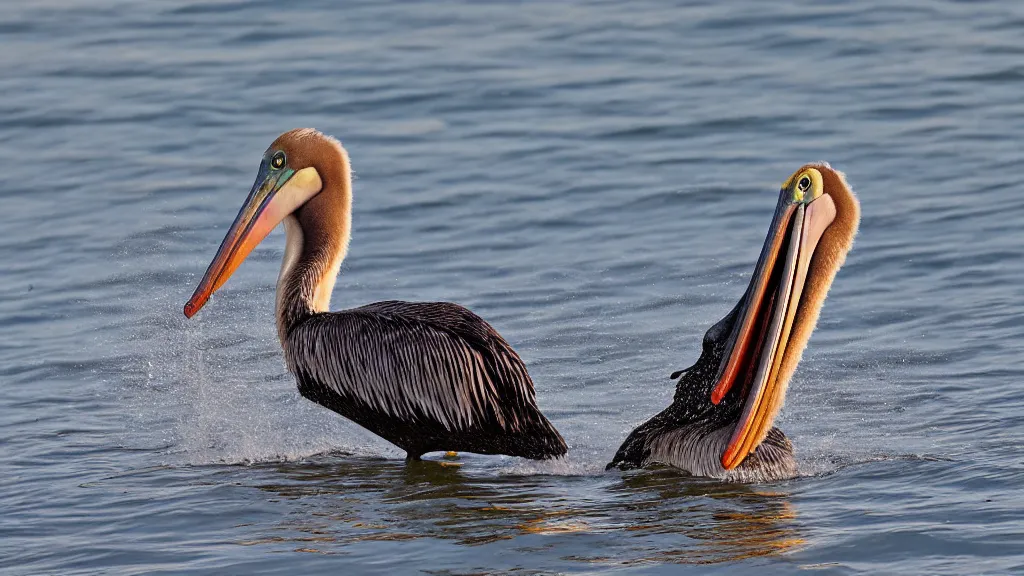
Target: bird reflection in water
x=650 y=516
x=721 y=522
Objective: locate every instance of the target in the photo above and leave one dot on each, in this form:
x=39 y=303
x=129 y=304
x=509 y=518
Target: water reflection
x=652 y=516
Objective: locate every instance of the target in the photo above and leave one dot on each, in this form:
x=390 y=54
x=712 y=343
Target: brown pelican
x=720 y=420
x=427 y=376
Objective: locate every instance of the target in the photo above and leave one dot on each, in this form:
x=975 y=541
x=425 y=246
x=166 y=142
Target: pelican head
x=303 y=180
x=813 y=228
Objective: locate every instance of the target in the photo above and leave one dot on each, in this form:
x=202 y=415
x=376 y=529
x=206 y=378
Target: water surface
x=594 y=178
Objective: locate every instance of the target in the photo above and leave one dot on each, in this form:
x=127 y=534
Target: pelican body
x=424 y=376
x=720 y=421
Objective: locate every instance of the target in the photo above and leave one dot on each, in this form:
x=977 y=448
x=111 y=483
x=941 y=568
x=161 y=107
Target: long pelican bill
x=756 y=348
x=277 y=192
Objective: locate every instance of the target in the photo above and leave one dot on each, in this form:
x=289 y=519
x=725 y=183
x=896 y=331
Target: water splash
x=224 y=397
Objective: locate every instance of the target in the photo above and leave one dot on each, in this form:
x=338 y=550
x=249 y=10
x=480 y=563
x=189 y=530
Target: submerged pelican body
x=424 y=376
x=720 y=421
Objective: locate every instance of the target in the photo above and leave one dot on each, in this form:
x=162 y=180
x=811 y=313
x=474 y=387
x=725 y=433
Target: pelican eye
x=277 y=162
x=804 y=183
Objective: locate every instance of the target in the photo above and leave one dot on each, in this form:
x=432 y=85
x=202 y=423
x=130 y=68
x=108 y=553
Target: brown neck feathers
x=317 y=235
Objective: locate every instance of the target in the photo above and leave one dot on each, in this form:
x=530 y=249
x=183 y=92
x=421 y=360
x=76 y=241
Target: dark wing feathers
x=417 y=373
x=504 y=368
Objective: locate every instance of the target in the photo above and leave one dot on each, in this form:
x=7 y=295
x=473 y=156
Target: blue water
x=594 y=178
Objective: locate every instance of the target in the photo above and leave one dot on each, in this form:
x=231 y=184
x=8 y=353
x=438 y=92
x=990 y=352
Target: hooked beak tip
x=191 y=307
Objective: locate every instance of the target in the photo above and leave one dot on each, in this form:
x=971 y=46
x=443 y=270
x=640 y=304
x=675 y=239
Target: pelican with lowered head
x=426 y=376
x=720 y=421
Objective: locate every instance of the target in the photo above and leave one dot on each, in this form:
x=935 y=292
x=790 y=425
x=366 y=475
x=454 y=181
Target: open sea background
x=594 y=178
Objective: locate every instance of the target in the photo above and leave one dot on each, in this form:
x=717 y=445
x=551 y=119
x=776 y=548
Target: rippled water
x=596 y=180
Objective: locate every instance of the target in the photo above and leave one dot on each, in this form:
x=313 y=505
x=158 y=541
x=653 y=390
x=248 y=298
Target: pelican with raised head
x=720 y=421
x=427 y=377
